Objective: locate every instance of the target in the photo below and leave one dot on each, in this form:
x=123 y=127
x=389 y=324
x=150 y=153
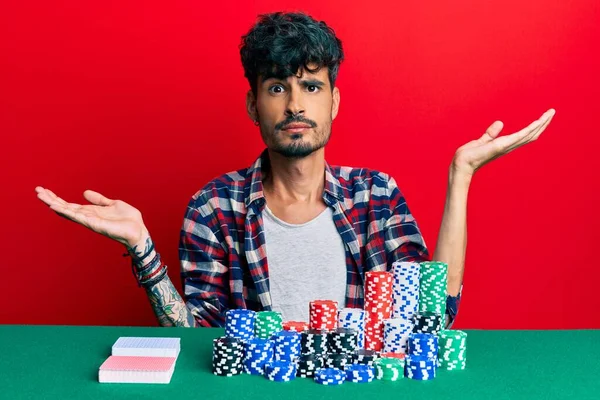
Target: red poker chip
x=323 y=314
x=295 y=326
x=399 y=356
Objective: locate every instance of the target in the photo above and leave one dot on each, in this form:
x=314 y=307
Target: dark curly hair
x=280 y=43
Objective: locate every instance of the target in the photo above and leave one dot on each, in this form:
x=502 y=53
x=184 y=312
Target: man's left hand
x=475 y=154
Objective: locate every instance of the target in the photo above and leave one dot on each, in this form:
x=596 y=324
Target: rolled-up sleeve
x=204 y=269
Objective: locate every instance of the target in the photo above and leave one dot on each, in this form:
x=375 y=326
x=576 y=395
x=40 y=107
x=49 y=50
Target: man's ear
x=251 y=105
x=335 y=106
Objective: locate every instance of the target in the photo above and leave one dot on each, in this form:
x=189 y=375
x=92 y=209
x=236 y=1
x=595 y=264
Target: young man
x=291 y=228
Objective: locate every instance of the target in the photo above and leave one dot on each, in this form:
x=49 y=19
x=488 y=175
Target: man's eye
x=313 y=86
x=271 y=89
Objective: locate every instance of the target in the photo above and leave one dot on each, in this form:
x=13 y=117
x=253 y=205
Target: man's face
x=304 y=99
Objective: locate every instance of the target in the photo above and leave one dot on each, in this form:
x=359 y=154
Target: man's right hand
x=112 y=218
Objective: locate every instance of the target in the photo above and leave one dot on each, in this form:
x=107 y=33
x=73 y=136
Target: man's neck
x=295 y=181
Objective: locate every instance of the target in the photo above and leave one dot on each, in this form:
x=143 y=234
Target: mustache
x=292 y=120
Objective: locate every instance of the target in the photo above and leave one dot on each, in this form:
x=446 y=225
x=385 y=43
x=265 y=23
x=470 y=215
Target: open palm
x=475 y=154
x=112 y=218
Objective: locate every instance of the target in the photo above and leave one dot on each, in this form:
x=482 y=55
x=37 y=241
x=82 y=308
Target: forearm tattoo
x=169 y=307
x=139 y=256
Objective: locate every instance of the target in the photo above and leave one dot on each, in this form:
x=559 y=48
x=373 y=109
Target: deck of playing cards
x=140 y=360
x=146 y=346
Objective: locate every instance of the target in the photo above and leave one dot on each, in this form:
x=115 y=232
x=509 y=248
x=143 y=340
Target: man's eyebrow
x=312 y=82
x=303 y=82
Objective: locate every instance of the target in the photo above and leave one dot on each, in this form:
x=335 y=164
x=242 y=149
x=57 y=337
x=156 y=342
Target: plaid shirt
x=222 y=242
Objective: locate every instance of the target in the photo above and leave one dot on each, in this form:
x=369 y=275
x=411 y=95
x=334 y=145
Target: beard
x=299 y=147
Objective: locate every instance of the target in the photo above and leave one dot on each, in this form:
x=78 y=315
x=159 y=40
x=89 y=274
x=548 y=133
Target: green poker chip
x=433 y=287
x=267 y=323
x=452 y=353
x=389 y=369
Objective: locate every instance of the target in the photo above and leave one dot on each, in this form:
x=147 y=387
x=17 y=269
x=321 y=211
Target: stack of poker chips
x=280 y=371
x=364 y=356
x=342 y=343
x=308 y=364
x=378 y=306
x=421 y=362
x=239 y=323
x=330 y=376
x=452 y=352
x=323 y=314
x=267 y=323
x=423 y=344
x=296 y=326
x=421 y=368
x=261 y=343
x=286 y=345
x=395 y=335
x=433 y=287
x=313 y=342
x=405 y=289
x=313 y=347
x=228 y=356
x=342 y=340
x=427 y=322
x=389 y=369
x=338 y=360
x=353 y=318
x=258 y=353
x=360 y=373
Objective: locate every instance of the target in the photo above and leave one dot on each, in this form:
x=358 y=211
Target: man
x=291 y=228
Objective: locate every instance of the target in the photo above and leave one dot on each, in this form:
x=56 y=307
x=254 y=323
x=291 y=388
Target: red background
x=146 y=103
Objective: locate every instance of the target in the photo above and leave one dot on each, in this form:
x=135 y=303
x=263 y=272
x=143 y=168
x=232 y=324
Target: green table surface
x=61 y=362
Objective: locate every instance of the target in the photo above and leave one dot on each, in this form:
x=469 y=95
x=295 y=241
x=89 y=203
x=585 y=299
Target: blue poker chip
x=239 y=323
x=360 y=373
x=287 y=345
x=280 y=371
x=258 y=352
x=330 y=376
x=420 y=368
x=422 y=344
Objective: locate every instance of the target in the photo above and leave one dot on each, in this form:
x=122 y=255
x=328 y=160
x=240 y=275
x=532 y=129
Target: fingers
x=492 y=132
x=53 y=201
x=539 y=124
x=48 y=197
x=543 y=127
x=532 y=131
x=96 y=198
x=70 y=213
x=55 y=197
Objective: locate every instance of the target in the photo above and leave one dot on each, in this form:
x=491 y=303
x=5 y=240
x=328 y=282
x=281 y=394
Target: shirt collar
x=254 y=189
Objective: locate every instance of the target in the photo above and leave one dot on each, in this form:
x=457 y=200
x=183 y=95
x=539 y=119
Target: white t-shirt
x=306 y=262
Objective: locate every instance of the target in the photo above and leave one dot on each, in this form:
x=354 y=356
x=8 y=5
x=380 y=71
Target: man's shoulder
x=358 y=178
x=228 y=186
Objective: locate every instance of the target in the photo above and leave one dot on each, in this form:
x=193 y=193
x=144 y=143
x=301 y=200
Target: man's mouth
x=296 y=130
x=296 y=127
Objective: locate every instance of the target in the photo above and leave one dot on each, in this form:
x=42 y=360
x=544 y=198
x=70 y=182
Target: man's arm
x=203 y=273
x=167 y=304
x=452 y=238
x=404 y=241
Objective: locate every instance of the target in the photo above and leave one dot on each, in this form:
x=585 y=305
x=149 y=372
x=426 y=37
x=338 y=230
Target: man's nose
x=294 y=105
